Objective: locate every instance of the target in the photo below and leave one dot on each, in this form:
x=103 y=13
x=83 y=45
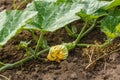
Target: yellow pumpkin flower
x=57 y=53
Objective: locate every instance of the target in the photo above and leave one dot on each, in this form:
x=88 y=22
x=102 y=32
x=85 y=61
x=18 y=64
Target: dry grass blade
x=94 y=53
x=2 y=77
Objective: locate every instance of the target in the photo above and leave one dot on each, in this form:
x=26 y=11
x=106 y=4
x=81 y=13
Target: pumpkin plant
x=49 y=16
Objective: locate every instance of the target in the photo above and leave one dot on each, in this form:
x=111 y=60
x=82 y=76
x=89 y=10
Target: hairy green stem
x=101 y=46
x=39 y=43
x=106 y=43
x=33 y=35
x=86 y=45
x=81 y=33
x=89 y=29
x=9 y=66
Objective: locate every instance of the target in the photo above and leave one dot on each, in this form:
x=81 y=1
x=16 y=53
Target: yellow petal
x=57 y=60
x=57 y=53
x=50 y=58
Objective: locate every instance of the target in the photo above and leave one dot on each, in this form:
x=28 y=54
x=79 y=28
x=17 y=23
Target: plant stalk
x=33 y=35
x=101 y=46
x=39 y=42
x=89 y=29
x=9 y=66
x=86 y=45
x=105 y=43
x=81 y=33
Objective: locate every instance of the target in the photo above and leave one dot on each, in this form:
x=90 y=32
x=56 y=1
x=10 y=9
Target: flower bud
x=57 y=53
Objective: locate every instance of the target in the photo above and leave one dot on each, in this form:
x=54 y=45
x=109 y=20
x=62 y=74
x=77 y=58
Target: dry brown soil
x=71 y=69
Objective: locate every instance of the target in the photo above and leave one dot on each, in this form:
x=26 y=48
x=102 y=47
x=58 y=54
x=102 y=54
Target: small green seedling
x=71 y=32
x=23 y=45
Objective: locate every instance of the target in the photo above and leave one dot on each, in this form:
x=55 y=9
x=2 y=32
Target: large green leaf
x=53 y=15
x=114 y=3
x=91 y=6
x=110 y=25
x=93 y=9
x=11 y=22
